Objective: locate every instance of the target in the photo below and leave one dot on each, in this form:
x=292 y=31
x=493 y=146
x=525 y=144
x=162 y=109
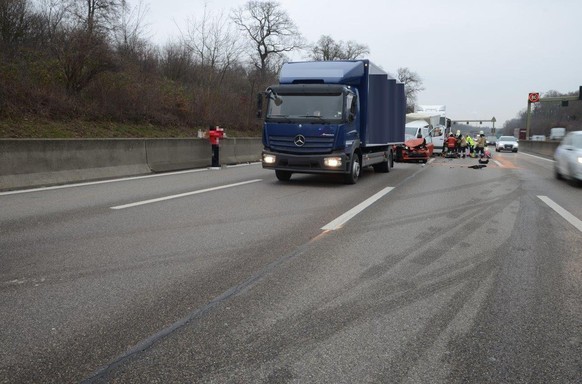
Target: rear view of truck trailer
x=332 y=117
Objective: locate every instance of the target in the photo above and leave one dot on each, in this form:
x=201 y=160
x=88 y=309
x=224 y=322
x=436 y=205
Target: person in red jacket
x=215 y=133
x=451 y=144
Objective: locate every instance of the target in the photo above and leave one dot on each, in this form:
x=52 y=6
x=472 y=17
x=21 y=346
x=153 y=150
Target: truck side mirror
x=352 y=112
x=259 y=105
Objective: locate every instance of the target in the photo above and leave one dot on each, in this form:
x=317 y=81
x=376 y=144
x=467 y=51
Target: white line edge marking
x=537 y=157
x=184 y=194
x=118 y=180
x=562 y=212
x=340 y=221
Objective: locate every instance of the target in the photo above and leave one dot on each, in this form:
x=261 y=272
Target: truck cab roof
x=328 y=72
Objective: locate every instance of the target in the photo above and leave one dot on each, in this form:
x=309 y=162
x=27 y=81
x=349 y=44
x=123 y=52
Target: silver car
x=506 y=143
x=568 y=157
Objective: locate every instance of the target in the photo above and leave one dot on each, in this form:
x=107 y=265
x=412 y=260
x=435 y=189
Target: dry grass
x=44 y=129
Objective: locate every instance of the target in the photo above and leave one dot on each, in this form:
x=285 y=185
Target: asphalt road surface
x=428 y=274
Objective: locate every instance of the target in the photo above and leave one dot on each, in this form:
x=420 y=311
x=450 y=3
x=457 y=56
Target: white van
x=413 y=128
x=538 y=138
x=557 y=133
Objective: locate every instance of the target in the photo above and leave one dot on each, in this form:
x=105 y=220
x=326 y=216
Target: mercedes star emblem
x=299 y=140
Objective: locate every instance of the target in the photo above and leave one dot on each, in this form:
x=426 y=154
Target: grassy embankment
x=78 y=129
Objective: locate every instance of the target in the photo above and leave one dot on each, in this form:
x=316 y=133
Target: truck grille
x=312 y=144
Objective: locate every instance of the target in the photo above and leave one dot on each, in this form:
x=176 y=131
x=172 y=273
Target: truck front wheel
x=283 y=175
x=356 y=168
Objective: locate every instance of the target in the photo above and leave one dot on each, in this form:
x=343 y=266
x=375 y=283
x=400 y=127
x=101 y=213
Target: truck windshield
x=306 y=106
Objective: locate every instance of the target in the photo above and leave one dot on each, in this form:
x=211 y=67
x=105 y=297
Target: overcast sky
x=479 y=58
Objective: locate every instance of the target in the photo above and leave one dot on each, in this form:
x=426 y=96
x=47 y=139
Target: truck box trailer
x=332 y=117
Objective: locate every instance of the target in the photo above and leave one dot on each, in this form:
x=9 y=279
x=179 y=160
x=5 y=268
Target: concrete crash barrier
x=240 y=150
x=542 y=148
x=165 y=155
x=27 y=163
x=34 y=163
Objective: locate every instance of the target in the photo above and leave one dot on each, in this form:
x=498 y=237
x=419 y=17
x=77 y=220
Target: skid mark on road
x=505 y=163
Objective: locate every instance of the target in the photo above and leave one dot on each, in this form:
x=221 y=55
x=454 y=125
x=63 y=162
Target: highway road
x=427 y=274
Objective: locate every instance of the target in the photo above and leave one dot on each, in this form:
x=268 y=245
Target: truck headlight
x=333 y=162
x=269 y=159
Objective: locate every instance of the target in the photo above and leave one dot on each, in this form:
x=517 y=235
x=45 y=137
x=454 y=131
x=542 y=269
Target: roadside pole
x=528 y=120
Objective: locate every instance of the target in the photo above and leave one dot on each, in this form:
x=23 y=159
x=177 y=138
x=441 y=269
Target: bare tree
x=97 y=16
x=214 y=42
x=354 y=50
x=412 y=86
x=14 y=21
x=130 y=33
x=176 y=62
x=84 y=49
x=82 y=58
x=327 y=48
x=53 y=14
x=270 y=30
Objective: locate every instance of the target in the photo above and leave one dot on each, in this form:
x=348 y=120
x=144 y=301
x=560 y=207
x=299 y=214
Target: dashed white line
x=340 y=221
x=138 y=203
x=562 y=212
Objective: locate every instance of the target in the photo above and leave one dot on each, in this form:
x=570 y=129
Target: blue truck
x=333 y=117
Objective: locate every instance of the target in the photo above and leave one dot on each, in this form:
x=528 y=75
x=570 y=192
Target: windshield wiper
x=318 y=116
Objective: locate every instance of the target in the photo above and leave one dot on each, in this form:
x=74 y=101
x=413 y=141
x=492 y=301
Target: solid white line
x=99 y=182
x=110 y=181
x=562 y=212
x=537 y=157
x=183 y=194
x=340 y=221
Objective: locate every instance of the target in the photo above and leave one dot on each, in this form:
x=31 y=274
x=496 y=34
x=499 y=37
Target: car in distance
x=491 y=140
x=506 y=143
x=568 y=157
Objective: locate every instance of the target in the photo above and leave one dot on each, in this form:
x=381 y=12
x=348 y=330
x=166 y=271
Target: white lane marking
x=340 y=221
x=184 y=194
x=115 y=180
x=498 y=164
x=562 y=212
x=537 y=157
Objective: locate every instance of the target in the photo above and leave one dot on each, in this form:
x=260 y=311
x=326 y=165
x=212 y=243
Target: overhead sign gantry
x=480 y=121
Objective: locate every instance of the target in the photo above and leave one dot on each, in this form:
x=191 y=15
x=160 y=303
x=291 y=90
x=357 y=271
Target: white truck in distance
x=557 y=133
x=436 y=116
